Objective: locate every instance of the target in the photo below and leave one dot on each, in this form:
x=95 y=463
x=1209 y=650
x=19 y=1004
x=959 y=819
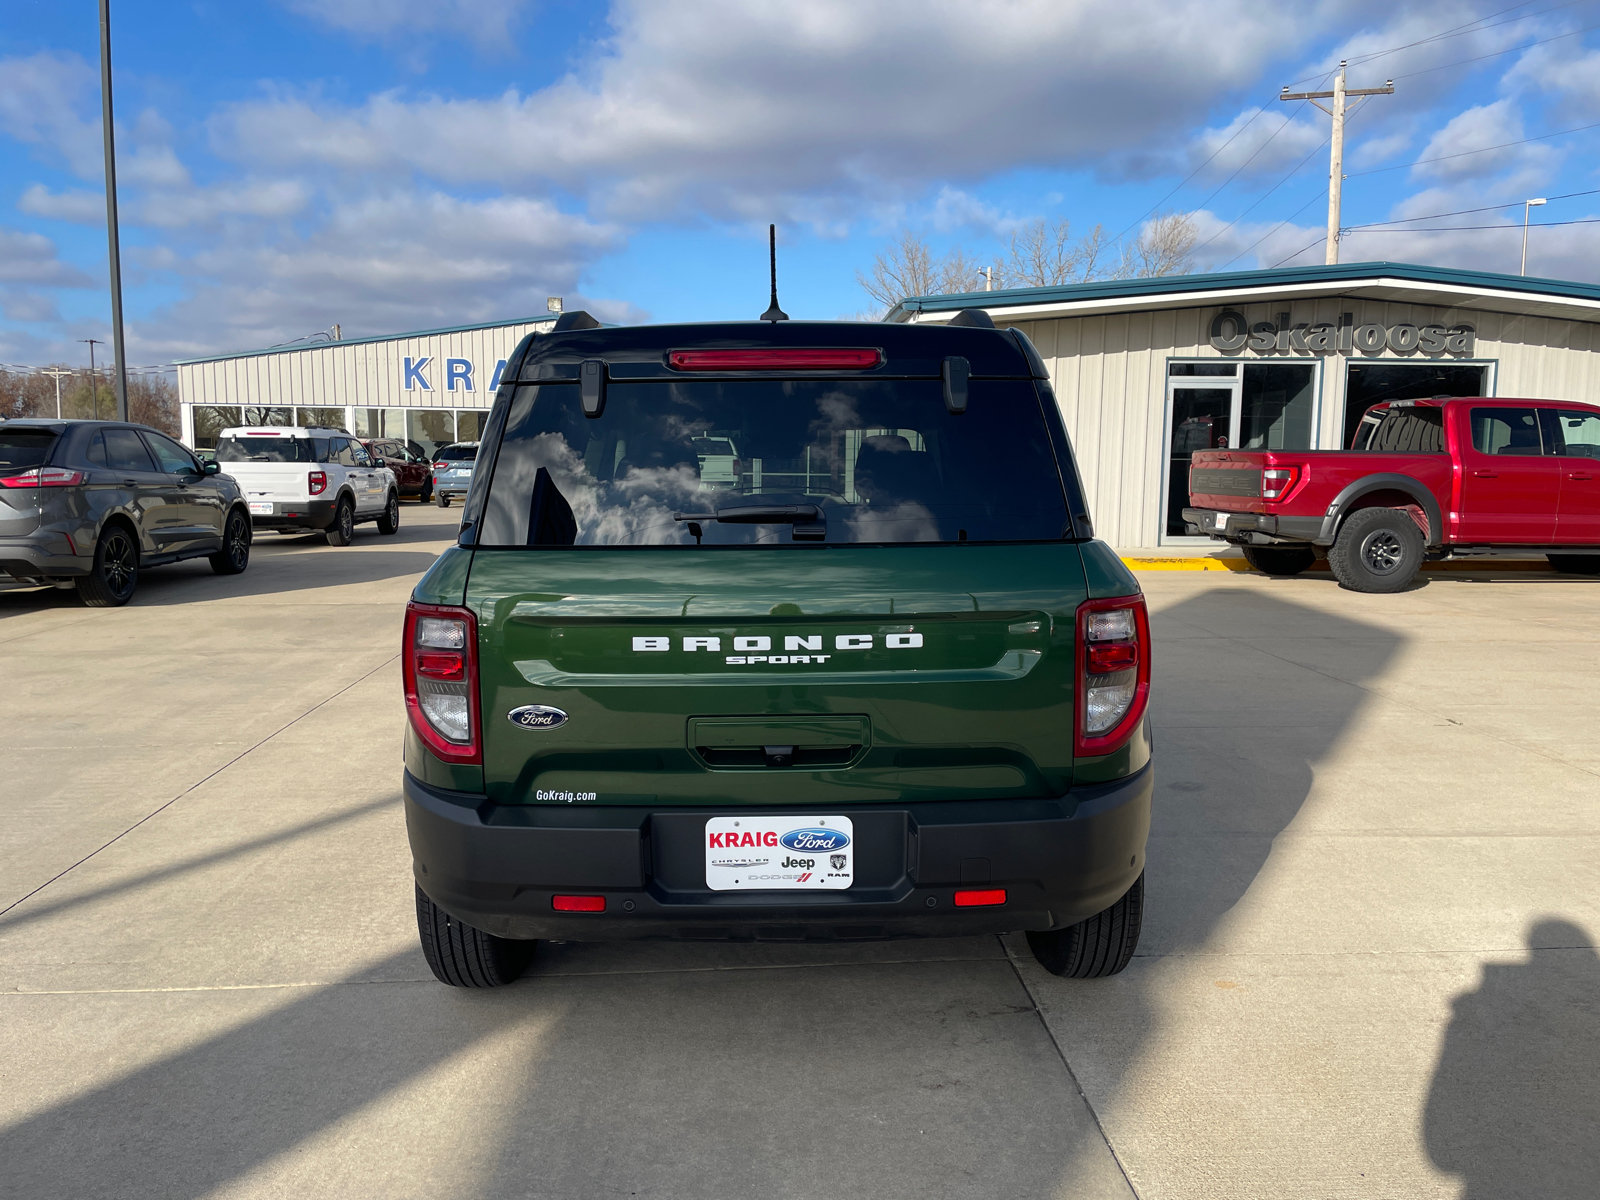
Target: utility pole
x=1336 y=164
x=94 y=377
x=57 y=372
x=120 y=378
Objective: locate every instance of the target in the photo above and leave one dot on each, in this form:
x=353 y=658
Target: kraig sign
x=1231 y=333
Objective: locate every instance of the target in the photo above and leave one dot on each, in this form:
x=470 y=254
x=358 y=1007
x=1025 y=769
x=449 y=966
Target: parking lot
x=1368 y=967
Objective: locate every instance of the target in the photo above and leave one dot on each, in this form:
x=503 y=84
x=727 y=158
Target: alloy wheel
x=1383 y=552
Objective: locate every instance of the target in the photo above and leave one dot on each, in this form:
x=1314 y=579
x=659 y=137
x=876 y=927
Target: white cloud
x=78 y=205
x=725 y=108
x=26 y=305
x=30 y=258
x=1495 y=124
x=40 y=101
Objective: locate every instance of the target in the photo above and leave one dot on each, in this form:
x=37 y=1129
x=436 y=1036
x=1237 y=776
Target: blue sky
x=402 y=164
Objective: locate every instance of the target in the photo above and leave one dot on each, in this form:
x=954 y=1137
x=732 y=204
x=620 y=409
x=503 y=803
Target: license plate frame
x=760 y=858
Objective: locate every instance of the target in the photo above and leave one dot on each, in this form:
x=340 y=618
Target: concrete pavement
x=1368 y=968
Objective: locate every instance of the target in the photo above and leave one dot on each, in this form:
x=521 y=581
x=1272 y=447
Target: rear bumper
x=295 y=514
x=1259 y=528
x=498 y=867
x=41 y=555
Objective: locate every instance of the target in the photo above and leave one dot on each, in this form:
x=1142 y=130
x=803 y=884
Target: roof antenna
x=774 y=313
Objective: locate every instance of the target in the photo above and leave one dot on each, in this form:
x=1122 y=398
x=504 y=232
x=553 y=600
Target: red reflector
x=980 y=898
x=1105 y=657
x=578 y=903
x=774 y=360
x=440 y=664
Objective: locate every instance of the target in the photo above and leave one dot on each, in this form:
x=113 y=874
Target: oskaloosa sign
x=1230 y=333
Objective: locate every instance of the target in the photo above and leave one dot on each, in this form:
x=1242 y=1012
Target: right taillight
x=1113 y=672
x=1278 y=482
x=441 y=680
x=319 y=482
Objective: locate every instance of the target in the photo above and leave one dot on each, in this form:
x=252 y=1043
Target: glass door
x=1202 y=414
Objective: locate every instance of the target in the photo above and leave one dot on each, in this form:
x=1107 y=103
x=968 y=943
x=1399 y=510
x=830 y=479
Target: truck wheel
x=234 y=556
x=426 y=494
x=110 y=582
x=1096 y=947
x=1575 y=564
x=389 y=519
x=1377 y=550
x=442 y=500
x=462 y=956
x=343 y=530
x=1279 y=560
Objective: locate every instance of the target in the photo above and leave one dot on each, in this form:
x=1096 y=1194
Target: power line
x=1481 y=150
x=1463 y=212
x=1277 y=227
x=1445 y=228
x=1512 y=50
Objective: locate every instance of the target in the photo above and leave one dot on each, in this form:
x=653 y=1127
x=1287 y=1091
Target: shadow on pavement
x=1514 y=1108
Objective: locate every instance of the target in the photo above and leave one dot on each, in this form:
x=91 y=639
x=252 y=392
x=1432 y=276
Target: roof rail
x=576 y=319
x=973 y=318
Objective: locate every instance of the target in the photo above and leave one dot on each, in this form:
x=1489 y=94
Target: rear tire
x=234 y=556
x=462 y=956
x=1378 y=550
x=1096 y=947
x=426 y=494
x=343 y=530
x=110 y=582
x=1575 y=564
x=389 y=520
x=1279 y=560
x=442 y=500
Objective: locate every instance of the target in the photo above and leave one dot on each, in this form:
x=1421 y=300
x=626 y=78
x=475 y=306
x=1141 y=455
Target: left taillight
x=1113 y=672
x=43 y=477
x=441 y=680
x=319 y=482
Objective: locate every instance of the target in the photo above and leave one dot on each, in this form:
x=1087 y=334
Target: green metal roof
x=387 y=337
x=1281 y=277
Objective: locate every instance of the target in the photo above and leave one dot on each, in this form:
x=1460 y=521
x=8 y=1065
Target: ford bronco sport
x=779 y=631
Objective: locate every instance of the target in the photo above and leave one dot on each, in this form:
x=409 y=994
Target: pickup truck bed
x=1425 y=479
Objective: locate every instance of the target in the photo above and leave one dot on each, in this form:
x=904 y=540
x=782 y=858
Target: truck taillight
x=319 y=482
x=441 y=680
x=1278 y=482
x=1113 y=672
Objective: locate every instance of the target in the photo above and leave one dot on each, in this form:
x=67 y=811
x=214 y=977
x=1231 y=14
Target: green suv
x=776 y=631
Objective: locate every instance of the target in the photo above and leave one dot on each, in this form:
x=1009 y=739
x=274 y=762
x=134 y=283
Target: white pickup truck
x=298 y=478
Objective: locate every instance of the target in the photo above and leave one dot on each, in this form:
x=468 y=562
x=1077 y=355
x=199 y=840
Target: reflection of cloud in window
x=907 y=522
x=637 y=509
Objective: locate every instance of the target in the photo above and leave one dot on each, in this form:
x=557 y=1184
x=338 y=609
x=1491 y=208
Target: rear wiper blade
x=809 y=521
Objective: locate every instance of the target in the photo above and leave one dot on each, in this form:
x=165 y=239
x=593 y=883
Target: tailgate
x=271 y=481
x=871 y=675
x=1227 y=479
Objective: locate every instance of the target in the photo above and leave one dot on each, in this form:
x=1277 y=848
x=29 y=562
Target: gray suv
x=90 y=503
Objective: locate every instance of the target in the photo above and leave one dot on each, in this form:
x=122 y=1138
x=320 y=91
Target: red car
x=414 y=473
x=1424 y=479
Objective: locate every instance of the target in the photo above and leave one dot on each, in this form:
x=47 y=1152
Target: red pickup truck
x=1423 y=479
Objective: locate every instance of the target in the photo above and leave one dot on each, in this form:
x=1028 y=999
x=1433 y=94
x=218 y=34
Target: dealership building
x=431 y=387
x=1149 y=370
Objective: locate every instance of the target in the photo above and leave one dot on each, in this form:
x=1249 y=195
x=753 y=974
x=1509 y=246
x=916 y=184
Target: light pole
x=57 y=372
x=1527 y=205
x=120 y=377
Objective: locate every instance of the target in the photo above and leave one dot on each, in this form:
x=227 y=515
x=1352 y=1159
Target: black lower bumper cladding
x=498 y=867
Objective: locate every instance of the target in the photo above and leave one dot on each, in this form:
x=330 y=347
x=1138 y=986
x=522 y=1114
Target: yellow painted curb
x=1210 y=563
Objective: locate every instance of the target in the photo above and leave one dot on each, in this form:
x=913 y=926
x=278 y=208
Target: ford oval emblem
x=537 y=716
x=815 y=839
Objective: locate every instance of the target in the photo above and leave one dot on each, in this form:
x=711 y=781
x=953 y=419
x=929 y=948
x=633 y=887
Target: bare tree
x=1166 y=246
x=906 y=268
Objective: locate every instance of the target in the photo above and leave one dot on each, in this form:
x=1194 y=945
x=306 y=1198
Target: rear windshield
x=809 y=462
x=266 y=449
x=1407 y=430
x=455 y=454
x=24 y=448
